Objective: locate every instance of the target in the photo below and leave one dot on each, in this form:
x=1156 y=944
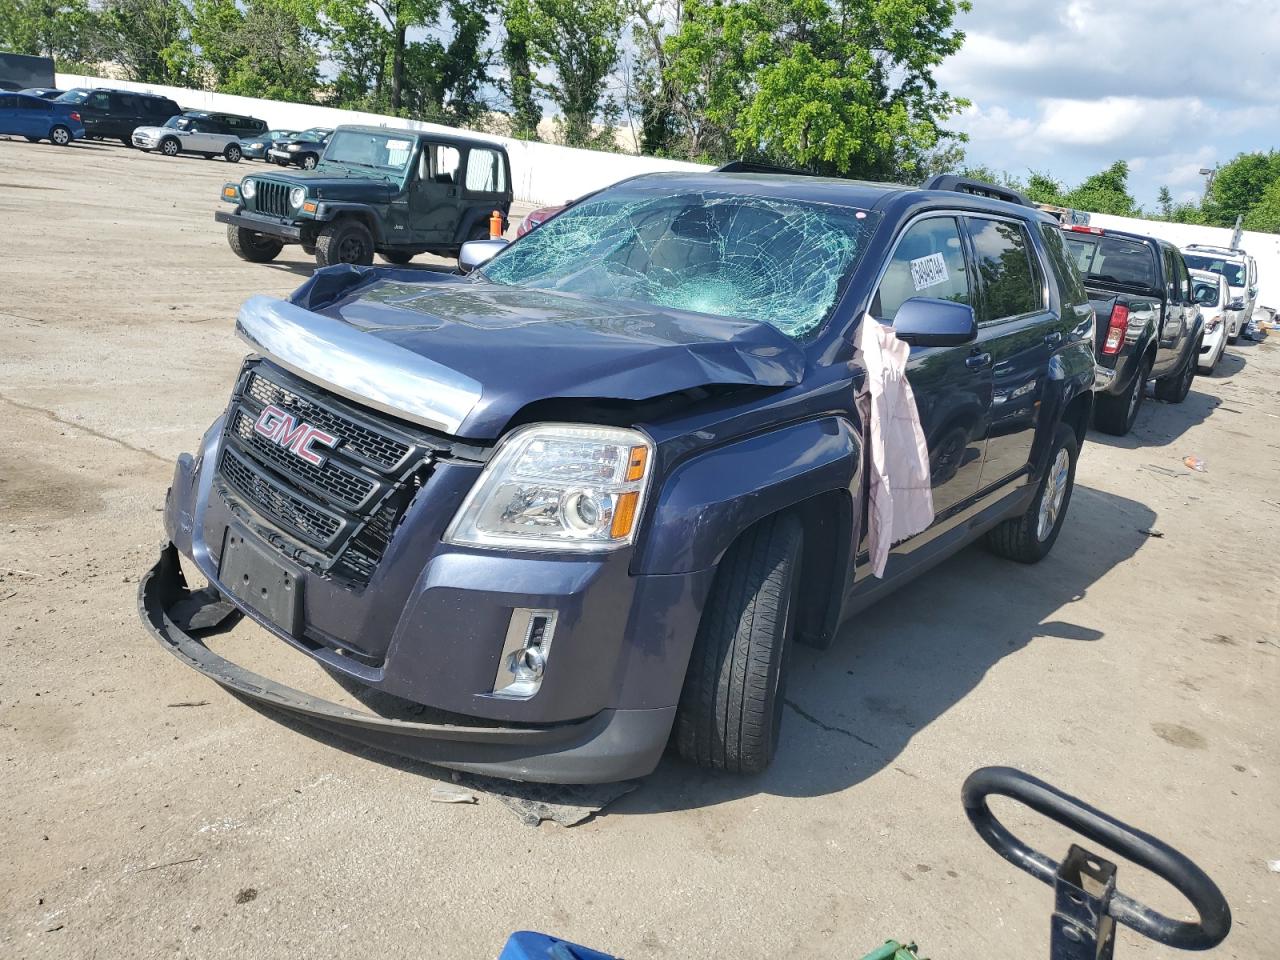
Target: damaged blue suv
x=578 y=504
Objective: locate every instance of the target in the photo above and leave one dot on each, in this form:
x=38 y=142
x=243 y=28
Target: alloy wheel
x=1055 y=490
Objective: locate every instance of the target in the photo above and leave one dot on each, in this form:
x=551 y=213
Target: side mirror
x=926 y=322
x=1237 y=303
x=475 y=253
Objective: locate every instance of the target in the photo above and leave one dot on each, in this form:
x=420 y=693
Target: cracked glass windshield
x=376 y=152
x=767 y=259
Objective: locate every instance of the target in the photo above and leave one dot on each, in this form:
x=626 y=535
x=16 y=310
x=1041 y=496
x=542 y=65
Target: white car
x=190 y=133
x=1241 y=271
x=1212 y=294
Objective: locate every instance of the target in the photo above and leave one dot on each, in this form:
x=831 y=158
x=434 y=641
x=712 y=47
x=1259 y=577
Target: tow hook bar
x=1087 y=905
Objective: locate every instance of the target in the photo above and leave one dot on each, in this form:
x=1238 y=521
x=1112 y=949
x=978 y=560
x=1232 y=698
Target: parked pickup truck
x=377 y=189
x=591 y=492
x=1149 y=325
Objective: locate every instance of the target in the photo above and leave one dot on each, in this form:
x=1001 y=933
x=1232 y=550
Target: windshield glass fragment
x=765 y=259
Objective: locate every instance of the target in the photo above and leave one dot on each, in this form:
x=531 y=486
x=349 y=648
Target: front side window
x=1010 y=281
x=100 y=101
x=485 y=172
x=928 y=262
x=764 y=259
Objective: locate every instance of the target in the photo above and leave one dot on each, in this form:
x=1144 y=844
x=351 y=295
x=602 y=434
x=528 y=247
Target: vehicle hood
x=464 y=356
x=151 y=131
x=325 y=186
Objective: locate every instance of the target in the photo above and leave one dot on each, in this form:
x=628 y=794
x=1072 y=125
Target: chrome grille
x=347 y=506
x=272 y=197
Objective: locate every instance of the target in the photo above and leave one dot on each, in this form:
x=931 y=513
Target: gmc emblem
x=291 y=433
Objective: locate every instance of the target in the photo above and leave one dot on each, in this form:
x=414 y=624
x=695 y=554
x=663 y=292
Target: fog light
x=524 y=653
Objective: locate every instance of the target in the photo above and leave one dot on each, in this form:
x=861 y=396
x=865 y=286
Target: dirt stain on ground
x=31 y=488
x=1180 y=736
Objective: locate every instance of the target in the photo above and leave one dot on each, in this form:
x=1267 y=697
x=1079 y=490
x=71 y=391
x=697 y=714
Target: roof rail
x=1213 y=247
x=751 y=166
x=978 y=188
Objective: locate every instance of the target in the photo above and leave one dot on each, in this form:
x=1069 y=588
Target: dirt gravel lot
x=146 y=813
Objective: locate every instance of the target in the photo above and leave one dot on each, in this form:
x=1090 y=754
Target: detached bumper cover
x=612 y=745
x=275 y=228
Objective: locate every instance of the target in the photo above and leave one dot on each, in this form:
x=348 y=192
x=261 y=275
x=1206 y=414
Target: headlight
x=294 y=146
x=255 y=146
x=248 y=189
x=296 y=196
x=558 y=486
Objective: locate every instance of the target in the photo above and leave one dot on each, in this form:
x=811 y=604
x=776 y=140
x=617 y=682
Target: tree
x=1042 y=188
x=987 y=174
x=1265 y=214
x=1165 y=202
x=258 y=48
x=378 y=29
x=149 y=39
x=650 y=91
x=1105 y=192
x=1239 y=185
x=837 y=86
x=578 y=40
x=517 y=55
x=62 y=29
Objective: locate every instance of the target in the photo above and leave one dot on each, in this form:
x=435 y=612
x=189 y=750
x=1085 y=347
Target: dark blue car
x=35 y=118
x=580 y=502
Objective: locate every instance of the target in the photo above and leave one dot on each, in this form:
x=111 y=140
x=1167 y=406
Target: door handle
x=1053 y=339
x=977 y=361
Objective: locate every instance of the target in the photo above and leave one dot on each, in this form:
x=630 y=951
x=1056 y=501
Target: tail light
x=75 y=116
x=1076 y=228
x=1116 y=327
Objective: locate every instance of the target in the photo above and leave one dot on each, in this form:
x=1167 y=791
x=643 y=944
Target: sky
x=1068 y=87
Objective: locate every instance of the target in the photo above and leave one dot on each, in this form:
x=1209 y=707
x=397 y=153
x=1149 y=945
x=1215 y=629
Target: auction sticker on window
x=929 y=271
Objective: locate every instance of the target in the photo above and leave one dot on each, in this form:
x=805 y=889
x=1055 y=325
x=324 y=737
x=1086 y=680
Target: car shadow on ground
x=913 y=656
x=1160 y=424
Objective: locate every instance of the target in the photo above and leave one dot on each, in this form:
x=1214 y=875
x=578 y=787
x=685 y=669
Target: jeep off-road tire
x=232 y=154
x=170 y=147
x=398 y=257
x=344 y=241
x=60 y=136
x=251 y=246
x=1116 y=413
x=1030 y=537
x=1174 y=388
x=730 y=710
x=308 y=161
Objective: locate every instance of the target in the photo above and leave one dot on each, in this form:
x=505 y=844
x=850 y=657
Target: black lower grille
x=271 y=197
x=344 y=508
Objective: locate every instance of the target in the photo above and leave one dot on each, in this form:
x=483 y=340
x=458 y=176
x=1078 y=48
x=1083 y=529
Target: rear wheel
x=60 y=135
x=170 y=147
x=233 y=153
x=126 y=141
x=1174 y=389
x=344 y=241
x=1116 y=413
x=254 y=247
x=1030 y=537
x=398 y=257
x=730 y=710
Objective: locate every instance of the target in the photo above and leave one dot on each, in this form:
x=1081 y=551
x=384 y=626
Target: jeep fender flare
x=336 y=210
x=706 y=502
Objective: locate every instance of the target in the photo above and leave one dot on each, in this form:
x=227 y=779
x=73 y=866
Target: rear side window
x=485 y=172
x=8 y=101
x=1069 y=281
x=928 y=262
x=1010 y=281
x=31 y=103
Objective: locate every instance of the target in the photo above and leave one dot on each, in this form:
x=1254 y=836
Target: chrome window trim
x=337 y=356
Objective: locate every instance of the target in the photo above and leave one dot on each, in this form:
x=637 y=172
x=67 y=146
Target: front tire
x=232 y=154
x=398 y=257
x=1116 y=413
x=1174 y=389
x=730 y=710
x=344 y=241
x=251 y=246
x=60 y=136
x=1030 y=537
x=170 y=147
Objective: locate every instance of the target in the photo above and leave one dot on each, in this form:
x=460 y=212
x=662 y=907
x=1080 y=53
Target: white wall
x=1265 y=247
x=541 y=173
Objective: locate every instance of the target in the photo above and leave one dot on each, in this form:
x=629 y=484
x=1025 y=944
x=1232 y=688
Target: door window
x=442 y=162
x=100 y=101
x=485 y=172
x=928 y=262
x=1010 y=281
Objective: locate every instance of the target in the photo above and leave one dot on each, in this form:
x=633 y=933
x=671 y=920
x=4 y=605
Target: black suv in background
x=234 y=122
x=115 y=114
x=1149 y=324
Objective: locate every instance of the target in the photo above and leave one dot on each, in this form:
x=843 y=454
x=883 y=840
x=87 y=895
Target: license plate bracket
x=261 y=581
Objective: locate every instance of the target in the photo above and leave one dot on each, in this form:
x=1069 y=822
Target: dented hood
x=463 y=356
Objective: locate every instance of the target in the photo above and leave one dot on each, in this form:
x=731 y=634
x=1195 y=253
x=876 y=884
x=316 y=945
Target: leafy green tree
x=62 y=29
x=1165 y=202
x=1105 y=192
x=518 y=57
x=1042 y=188
x=258 y=48
x=578 y=40
x=149 y=39
x=1239 y=185
x=1265 y=214
x=986 y=174
x=837 y=86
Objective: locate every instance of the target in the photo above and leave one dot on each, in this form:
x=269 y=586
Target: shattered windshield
x=771 y=260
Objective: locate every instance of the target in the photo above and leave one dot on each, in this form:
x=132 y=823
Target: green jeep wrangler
x=394 y=192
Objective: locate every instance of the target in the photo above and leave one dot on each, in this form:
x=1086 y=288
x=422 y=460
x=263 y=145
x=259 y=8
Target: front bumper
x=145 y=143
x=259 y=224
x=612 y=745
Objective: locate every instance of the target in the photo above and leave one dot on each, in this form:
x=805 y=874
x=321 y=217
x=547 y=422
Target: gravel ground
x=147 y=813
